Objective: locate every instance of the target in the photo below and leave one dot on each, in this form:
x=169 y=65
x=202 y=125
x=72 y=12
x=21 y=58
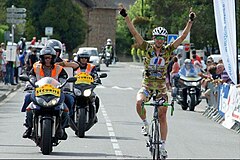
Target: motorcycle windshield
x=186 y=78
x=47 y=80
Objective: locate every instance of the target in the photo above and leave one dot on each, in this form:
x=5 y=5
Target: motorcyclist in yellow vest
x=109 y=48
x=85 y=66
x=46 y=67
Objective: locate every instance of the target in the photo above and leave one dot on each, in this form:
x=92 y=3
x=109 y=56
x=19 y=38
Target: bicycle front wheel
x=155 y=140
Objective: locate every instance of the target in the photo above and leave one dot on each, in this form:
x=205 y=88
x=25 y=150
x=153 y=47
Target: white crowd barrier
x=224 y=105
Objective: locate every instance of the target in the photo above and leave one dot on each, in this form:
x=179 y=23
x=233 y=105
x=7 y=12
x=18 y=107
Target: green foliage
x=65 y=16
x=173 y=15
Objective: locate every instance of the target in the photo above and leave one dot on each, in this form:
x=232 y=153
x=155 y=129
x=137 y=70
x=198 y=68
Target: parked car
x=94 y=55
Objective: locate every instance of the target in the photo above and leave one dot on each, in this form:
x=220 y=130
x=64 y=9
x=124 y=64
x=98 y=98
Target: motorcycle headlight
x=53 y=102
x=191 y=83
x=42 y=102
x=87 y=92
x=77 y=92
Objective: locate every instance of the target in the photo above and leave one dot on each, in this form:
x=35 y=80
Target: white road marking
x=111 y=133
x=100 y=86
x=9 y=97
x=120 y=88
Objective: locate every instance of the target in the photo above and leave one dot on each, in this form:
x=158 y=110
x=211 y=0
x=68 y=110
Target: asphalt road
x=117 y=135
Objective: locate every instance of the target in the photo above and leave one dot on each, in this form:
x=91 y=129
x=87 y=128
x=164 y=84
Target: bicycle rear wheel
x=155 y=140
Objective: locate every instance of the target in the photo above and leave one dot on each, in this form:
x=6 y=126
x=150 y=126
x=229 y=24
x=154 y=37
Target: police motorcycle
x=47 y=107
x=107 y=59
x=187 y=91
x=86 y=103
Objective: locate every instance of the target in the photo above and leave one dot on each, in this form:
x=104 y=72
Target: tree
x=66 y=20
x=64 y=16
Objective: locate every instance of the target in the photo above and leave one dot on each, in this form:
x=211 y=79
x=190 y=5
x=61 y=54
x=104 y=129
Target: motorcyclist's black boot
x=97 y=104
x=28 y=124
x=64 y=124
x=27 y=133
x=64 y=136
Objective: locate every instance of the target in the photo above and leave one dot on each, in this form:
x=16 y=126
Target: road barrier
x=224 y=105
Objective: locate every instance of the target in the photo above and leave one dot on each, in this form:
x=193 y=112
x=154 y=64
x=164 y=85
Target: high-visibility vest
x=38 y=69
x=88 y=69
x=109 y=49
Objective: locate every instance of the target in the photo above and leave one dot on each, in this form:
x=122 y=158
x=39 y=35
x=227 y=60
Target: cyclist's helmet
x=56 y=45
x=159 y=31
x=47 y=50
x=83 y=54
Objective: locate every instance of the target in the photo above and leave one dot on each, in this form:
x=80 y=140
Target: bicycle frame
x=154 y=140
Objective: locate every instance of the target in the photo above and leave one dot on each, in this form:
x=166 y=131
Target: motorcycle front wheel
x=46 y=138
x=81 y=122
x=192 y=102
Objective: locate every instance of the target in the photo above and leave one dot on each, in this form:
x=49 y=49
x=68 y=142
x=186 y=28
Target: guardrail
x=224 y=105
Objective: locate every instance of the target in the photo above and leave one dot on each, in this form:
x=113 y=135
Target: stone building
x=100 y=16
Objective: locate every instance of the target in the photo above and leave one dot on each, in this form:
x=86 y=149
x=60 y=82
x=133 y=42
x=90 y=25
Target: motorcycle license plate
x=83 y=78
x=47 y=89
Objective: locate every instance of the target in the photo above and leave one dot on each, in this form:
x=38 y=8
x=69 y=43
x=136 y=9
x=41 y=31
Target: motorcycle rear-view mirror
x=103 y=75
x=24 y=78
x=71 y=79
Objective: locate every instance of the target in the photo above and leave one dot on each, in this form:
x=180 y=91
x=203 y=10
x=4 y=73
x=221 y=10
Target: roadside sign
x=16 y=9
x=171 y=38
x=48 y=31
x=16 y=15
x=16 y=21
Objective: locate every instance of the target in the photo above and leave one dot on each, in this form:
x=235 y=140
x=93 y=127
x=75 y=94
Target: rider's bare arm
x=131 y=27
x=186 y=30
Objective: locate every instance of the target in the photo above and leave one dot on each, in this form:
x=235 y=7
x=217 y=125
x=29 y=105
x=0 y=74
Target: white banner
x=225 y=20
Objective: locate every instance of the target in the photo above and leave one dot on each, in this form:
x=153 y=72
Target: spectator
x=2 y=66
x=223 y=74
x=139 y=54
x=9 y=77
x=133 y=53
x=195 y=57
x=204 y=67
x=32 y=59
x=175 y=69
x=33 y=41
x=16 y=65
x=26 y=57
x=180 y=61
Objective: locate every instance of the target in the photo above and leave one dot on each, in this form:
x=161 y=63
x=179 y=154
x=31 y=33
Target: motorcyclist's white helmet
x=187 y=61
x=56 y=45
x=160 y=31
x=109 y=42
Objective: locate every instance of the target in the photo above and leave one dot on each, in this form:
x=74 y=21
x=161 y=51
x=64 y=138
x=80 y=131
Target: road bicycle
x=153 y=137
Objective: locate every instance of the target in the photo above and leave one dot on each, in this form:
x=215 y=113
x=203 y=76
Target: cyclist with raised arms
x=155 y=69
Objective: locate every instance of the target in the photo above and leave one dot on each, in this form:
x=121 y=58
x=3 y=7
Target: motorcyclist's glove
x=123 y=12
x=98 y=80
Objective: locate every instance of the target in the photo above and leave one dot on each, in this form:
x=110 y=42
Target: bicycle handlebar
x=165 y=104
